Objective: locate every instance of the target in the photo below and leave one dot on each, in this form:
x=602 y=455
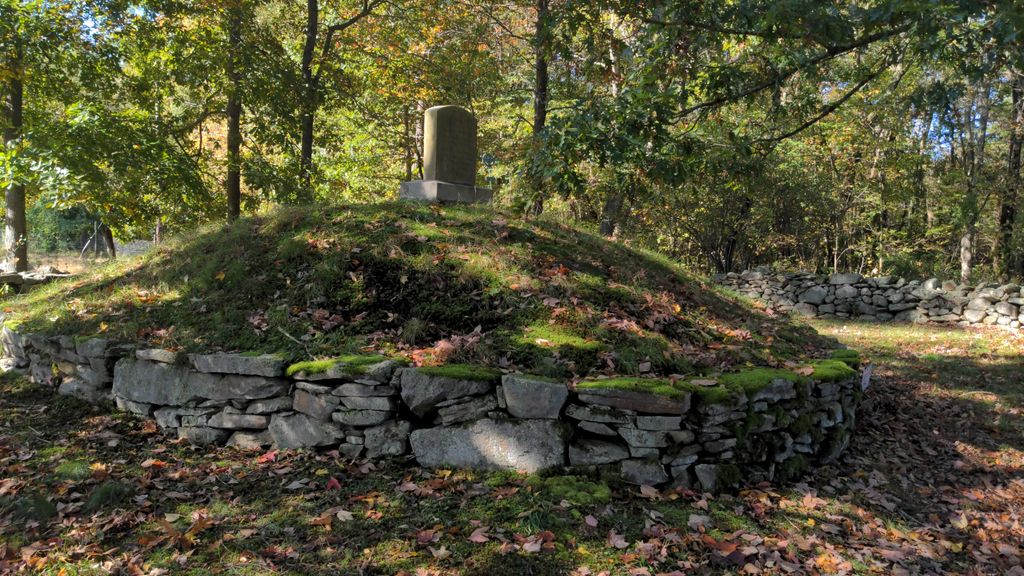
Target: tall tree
x=233 y=110
x=316 y=55
x=1009 y=260
x=15 y=232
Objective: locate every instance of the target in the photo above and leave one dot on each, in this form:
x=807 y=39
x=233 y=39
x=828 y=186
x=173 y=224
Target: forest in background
x=879 y=136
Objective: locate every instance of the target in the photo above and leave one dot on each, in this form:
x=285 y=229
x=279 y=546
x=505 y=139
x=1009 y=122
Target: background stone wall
x=880 y=299
x=773 y=431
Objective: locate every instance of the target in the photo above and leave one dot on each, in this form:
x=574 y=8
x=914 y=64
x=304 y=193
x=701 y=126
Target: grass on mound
x=438 y=285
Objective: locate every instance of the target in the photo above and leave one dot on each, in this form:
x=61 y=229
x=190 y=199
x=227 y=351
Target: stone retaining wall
x=463 y=418
x=881 y=299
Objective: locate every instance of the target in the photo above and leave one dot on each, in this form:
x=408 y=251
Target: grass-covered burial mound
x=435 y=285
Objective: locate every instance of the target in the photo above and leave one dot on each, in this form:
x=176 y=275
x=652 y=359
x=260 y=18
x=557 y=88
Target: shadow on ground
x=932 y=483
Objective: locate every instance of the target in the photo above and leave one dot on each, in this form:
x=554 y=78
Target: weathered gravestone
x=449 y=159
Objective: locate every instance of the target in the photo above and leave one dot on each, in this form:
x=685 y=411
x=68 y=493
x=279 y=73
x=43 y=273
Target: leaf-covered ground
x=931 y=485
x=432 y=284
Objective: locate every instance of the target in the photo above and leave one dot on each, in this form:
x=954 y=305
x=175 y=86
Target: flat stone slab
x=532 y=398
x=363 y=390
x=438 y=192
x=523 y=445
x=637 y=401
x=423 y=392
x=269 y=405
x=319 y=406
x=600 y=414
x=264 y=365
x=174 y=385
x=159 y=355
x=150 y=382
x=243 y=388
x=350 y=417
x=238 y=421
x=589 y=452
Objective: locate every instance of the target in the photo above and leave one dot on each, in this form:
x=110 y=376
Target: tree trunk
x=1008 y=257
x=108 y=238
x=540 y=100
x=15 y=232
x=310 y=95
x=407 y=142
x=233 y=184
x=967 y=254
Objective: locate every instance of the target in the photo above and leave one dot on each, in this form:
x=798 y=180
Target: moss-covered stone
x=802 y=424
x=351 y=364
x=754 y=380
x=657 y=386
x=729 y=475
x=710 y=394
x=832 y=371
x=792 y=468
x=463 y=372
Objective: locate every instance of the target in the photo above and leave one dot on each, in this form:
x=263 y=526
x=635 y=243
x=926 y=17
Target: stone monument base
x=438 y=192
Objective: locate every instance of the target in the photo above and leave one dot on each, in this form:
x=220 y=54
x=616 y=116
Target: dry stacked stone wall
x=771 y=429
x=881 y=299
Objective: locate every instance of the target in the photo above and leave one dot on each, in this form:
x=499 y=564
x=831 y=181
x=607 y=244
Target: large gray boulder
x=979 y=304
x=523 y=445
x=527 y=397
x=974 y=316
x=263 y=365
x=422 y=392
x=1007 y=309
x=814 y=295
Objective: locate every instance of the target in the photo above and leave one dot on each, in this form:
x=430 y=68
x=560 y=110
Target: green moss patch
x=661 y=387
x=832 y=371
x=755 y=379
x=34 y=507
x=109 y=494
x=571 y=488
x=352 y=364
x=463 y=372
